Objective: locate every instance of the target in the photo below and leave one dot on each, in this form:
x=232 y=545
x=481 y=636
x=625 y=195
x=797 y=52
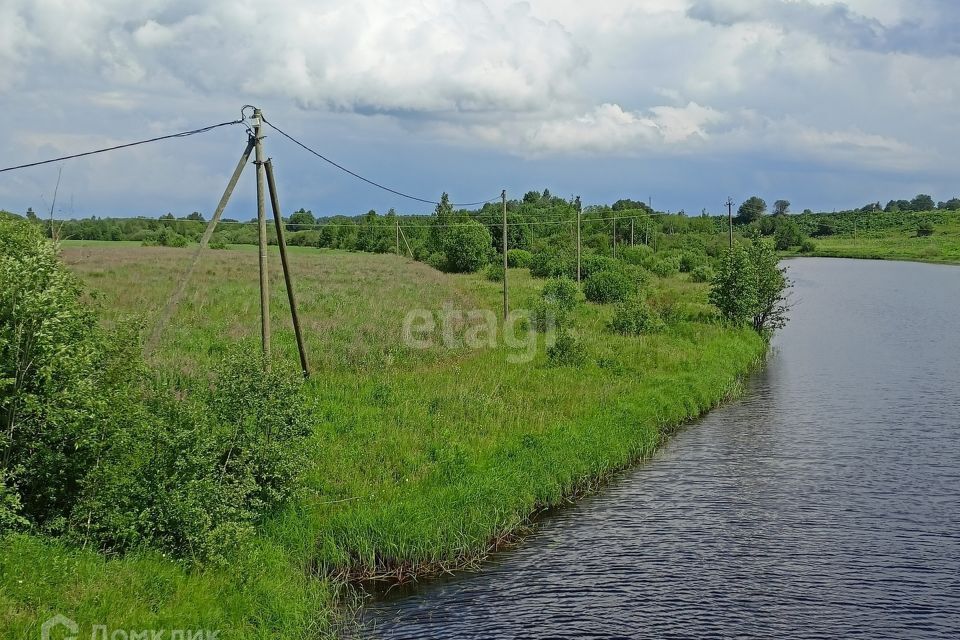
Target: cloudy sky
x=827 y=104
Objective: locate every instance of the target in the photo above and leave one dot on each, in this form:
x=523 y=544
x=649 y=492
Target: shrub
x=608 y=286
x=548 y=315
x=637 y=254
x=702 y=273
x=593 y=263
x=808 y=246
x=566 y=351
x=218 y=244
x=634 y=317
x=665 y=266
x=519 y=258
x=925 y=228
x=825 y=227
x=562 y=291
x=690 y=260
x=466 y=246
x=750 y=285
x=788 y=235
x=438 y=261
x=552 y=264
x=494 y=271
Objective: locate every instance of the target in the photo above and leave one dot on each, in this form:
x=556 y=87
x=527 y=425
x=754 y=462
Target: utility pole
x=631 y=232
x=579 y=209
x=614 y=236
x=730 y=220
x=262 y=237
x=287 y=277
x=397 y=221
x=506 y=308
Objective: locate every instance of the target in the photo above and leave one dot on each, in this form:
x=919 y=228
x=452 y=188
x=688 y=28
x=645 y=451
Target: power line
x=367 y=180
x=182 y=134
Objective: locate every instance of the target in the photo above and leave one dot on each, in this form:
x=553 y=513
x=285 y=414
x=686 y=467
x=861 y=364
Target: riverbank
x=895 y=243
x=422 y=459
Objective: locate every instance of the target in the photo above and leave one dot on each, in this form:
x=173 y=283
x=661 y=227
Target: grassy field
x=423 y=459
x=897 y=244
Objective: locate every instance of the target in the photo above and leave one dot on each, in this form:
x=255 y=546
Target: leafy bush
x=438 y=261
x=690 y=260
x=593 y=263
x=808 y=246
x=925 y=228
x=218 y=244
x=750 y=286
x=825 y=227
x=566 y=351
x=193 y=472
x=634 y=317
x=494 y=271
x=467 y=246
x=637 y=254
x=665 y=266
x=562 y=291
x=608 y=286
x=518 y=258
x=702 y=273
x=552 y=264
x=788 y=235
x=548 y=315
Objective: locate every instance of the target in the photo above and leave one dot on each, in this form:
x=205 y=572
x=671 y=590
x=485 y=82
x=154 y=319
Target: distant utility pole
x=579 y=209
x=262 y=237
x=614 y=236
x=503 y=197
x=730 y=220
x=631 y=232
x=397 y=221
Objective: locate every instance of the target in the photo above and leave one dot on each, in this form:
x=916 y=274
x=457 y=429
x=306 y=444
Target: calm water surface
x=826 y=503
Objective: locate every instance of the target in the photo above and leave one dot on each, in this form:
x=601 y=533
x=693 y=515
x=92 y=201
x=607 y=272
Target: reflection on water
x=826 y=503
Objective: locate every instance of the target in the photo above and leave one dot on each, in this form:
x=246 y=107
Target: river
x=824 y=503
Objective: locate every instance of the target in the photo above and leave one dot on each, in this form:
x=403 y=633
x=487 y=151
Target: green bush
x=702 y=273
x=634 y=317
x=608 y=286
x=665 y=266
x=690 y=260
x=438 y=261
x=788 y=235
x=637 y=254
x=925 y=228
x=808 y=246
x=467 y=246
x=519 y=258
x=552 y=264
x=547 y=315
x=563 y=291
x=750 y=285
x=566 y=351
x=218 y=244
x=593 y=263
x=494 y=271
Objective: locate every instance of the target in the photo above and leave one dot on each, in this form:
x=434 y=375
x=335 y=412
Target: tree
x=953 y=204
x=300 y=219
x=467 y=246
x=31 y=216
x=752 y=209
x=787 y=235
x=922 y=202
x=443 y=215
x=196 y=215
x=750 y=286
x=780 y=207
x=531 y=197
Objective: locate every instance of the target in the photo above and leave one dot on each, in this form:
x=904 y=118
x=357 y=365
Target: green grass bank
x=423 y=458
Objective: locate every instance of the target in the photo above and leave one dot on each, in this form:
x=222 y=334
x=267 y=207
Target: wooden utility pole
x=730 y=220
x=262 y=237
x=631 y=232
x=614 y=236
x=579 y=209
x=287 y=278
x=503 y=197
x=174 y=300
x=397 y=221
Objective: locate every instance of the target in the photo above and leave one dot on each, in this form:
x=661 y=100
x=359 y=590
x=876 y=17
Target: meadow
x=422 y=459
